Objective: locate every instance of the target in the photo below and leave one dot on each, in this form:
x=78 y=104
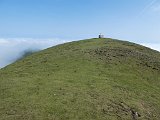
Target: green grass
x=95 y=79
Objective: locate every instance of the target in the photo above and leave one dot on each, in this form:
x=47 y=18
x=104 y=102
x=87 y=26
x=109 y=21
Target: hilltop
x=94 y=79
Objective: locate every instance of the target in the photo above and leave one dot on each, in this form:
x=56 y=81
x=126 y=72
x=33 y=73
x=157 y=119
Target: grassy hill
x=95 y=79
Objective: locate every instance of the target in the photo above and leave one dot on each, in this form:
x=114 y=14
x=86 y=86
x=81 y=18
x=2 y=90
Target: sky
x=30 y=24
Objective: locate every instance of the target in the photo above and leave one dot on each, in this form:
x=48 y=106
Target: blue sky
x=57 y=21
x=135 y=20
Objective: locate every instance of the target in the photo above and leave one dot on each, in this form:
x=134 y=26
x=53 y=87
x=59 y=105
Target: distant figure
x=101 y=36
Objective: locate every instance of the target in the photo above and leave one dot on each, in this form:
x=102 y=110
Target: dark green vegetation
x=96 y=79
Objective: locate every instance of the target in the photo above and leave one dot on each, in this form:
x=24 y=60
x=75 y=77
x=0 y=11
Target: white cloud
x=148 y=6
x=152 y=7
x=155 y=46
x=12 y=48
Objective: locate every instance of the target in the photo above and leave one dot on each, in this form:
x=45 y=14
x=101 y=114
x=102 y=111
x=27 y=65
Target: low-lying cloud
x=13 y=48
x=155 y=46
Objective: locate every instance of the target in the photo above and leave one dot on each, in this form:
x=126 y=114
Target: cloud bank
x=12 y=48
x=155 y=46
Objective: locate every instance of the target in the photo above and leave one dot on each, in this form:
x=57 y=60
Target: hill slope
x=101 y=79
